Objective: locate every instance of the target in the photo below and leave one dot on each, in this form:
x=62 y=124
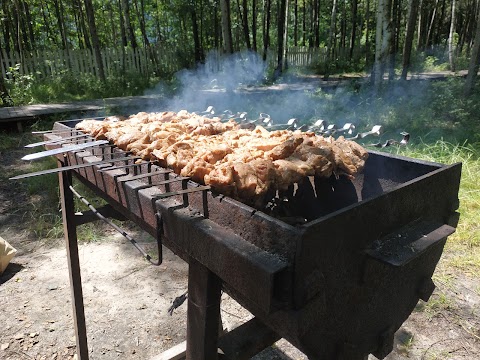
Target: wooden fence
x=298 y=56
x=46 y=63
x=51 y=62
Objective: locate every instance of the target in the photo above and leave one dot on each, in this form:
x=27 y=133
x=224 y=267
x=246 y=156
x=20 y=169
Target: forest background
x=54 y=51
x=45 y=45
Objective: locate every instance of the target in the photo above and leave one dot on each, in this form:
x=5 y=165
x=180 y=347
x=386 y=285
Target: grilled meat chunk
x=242 y=163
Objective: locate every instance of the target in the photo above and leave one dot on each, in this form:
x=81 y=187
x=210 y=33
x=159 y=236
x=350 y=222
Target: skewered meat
x=245 y=164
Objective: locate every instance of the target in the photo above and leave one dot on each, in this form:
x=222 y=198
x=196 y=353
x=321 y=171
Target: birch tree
x=451 y=50
x=474 y=59
x=407 y=49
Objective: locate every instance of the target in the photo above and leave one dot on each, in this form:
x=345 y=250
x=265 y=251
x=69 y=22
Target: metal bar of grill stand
x=70 y=231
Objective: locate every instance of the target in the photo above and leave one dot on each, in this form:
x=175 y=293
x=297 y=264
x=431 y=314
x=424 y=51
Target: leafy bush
x=68 y=86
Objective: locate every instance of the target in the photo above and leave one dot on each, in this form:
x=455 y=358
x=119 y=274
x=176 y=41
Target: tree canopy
x=355 y=33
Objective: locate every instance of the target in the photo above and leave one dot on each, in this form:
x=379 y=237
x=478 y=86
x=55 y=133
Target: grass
x=437 y=303
x=39 y=204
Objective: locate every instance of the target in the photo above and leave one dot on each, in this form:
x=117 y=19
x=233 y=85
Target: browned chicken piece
x=284 y=150
x=197 y=168
x=253 y=179
x=221 y=179
x=315 y=157
x=288 y=172
x=124 y=140
x=245 y=179
x=359 y=154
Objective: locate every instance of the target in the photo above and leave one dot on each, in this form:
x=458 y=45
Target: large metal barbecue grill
x=337 y=284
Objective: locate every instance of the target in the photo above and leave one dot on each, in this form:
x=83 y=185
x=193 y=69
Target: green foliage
x=67 y=86
x=428 y=109
x=7 y=141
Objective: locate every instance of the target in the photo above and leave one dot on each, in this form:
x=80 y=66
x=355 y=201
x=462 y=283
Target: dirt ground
x=126 y=301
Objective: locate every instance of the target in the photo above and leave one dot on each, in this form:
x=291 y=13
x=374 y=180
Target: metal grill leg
x=203 y=313
x=70 y=230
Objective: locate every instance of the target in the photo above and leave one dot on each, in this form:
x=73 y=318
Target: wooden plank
x=81 y=60
x=93 y=62
x=104 y=62
x=177 y=352
x=74 y=62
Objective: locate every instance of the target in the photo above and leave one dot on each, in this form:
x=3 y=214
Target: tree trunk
x=282 y=32
x=316 y=23
x=4 y=95
x=246 y=31
x=196 y=37
x=86 y=37
x=60 y=22
x=438 y=30
x=304 y=24
x=7 y=24
x=21 y=28
x=330 y=39
x=216 y=39
x=18 y=43
x=432 y=22
x=420 y=26
x=123 y=33
x=254 y=24
x=295 y=23
x=343 y=27
x=474 y=59
x=367 y=36
x=379 y=40
x=451 y=50
x=128 y=23
x=226 y=26
x=311 y=33
x=386 y=34
x=29 y=21
x=266 y=29
x=46 y=23
x=354 y=28
x=95 y=42
x=407 y=48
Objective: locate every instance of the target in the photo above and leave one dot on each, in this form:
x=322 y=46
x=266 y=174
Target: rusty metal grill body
x=337 y=286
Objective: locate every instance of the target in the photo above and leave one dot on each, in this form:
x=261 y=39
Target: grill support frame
x=71 y=244
x=289 y=322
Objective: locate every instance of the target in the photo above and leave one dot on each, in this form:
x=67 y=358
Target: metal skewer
x=71 y=167
x=61 y=131
x=56 y=141
x=64 y=149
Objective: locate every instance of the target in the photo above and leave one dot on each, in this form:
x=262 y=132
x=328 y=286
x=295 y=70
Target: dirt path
x=126 y=302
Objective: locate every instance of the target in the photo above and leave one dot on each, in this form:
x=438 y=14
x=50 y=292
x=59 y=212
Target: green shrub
x=67 y=86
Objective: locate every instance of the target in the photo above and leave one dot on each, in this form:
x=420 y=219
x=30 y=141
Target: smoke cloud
x=237 y=83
